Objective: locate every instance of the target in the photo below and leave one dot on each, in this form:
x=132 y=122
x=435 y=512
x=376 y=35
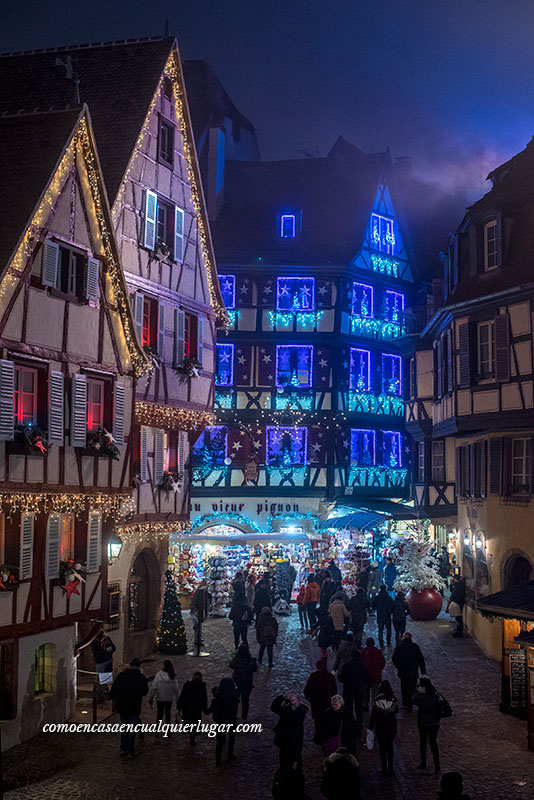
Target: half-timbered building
x=69 y=360
x=149 y=163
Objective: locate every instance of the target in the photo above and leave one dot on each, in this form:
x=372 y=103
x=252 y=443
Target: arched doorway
x=517 y=570
x=143 y=604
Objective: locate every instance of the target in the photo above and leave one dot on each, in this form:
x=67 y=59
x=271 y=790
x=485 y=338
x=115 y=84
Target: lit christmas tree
x=416 y=567
x=171 y=626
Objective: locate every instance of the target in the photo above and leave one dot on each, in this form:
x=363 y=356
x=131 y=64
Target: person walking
x=451 y=787
x=249 y=590
x=341 y=770
x=238 y=586
x=383 y=721
x=355 y=680
x=338 y=614
x=193 y=702
x=266 y=634
x=320 y=687
x=224 y=711
x=312 y=596
x=455 y=606
x=127 y=692
x=102 y=649
x=335 y=572
x=244 y=667
x=303 y=615
x=444 y=565
x=291 y=576
x=374 y=661
x=289 y=730
x=344 y=652
x=400 y=612
x=428 y=718
x=324 y=631
x=408 y=659
x=335 y=727
x=383 y=605
x=390 y=574
x=359 y=605
x=328 y=590
x=262 y=598
x=165 y=691
x=375 y=580
x=241 y=616
x=199 y=611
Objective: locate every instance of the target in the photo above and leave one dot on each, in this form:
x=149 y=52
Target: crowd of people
x=350 y=703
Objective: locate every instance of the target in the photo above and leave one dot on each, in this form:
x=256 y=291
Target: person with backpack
x=338 y=614
x=165 y=690
x=127 y=692
x=383 y=605
x=408 y=659
x=244 y=667
x=359 y=605
x=193 y=702
x=320 y=687
x=241 y=616
x=428 y=718
x=383 y=721
x=289 y=730
x=224 y=710
x=266 y=634
x=303 y=614
x=400 y=612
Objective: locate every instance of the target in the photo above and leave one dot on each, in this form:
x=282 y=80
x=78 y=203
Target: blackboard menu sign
x=518 y=678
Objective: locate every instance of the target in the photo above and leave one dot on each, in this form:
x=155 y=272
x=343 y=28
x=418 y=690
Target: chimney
x=403 y=167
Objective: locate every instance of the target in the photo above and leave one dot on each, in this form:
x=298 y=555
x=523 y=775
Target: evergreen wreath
x=103 y=443
x=33 y=438
x=189 y=368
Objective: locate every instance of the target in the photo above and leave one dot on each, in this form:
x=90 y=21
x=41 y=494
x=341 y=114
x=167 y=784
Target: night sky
x=448 y=82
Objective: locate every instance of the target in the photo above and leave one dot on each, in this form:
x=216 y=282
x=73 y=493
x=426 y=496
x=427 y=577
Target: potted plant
x=418 y=576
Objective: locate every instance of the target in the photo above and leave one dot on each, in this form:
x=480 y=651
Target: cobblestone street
x=489 y=748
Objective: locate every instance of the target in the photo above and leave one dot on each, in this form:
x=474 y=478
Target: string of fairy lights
x=171 y=418
x=137 y=531
x=109 y=505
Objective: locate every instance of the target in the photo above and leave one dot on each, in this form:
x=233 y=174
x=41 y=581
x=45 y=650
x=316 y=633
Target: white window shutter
x=143 y=455
x=52 y=547
x=94 y=541
x=7 y=400
x=151 y=210
x=178 y=234
x=56 y=407
x=182 y=438
x=50 y=263
x=92 y=288
x=27 y=522
x=159 y=454
x=179 y=335
x=161 y=329
x=78 y=411
x=200 y=343
x=118 y=412
x=139 y=302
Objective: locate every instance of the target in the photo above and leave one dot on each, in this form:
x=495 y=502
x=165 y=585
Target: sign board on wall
x=257 y=509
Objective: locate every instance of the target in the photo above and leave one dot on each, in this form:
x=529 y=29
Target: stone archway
x=143 y=605
x=517 y=569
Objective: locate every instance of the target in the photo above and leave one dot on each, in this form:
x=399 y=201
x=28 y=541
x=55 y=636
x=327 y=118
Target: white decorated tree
x=417 y=568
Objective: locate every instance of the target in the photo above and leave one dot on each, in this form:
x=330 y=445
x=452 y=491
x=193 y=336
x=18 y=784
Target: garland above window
x=173 y=419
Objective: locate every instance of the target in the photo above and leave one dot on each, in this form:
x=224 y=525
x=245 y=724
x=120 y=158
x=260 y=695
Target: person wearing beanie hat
x=127 y=692
x=320 y=687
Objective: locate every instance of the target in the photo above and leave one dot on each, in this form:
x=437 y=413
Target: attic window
x=287 y=226
x=167 y=88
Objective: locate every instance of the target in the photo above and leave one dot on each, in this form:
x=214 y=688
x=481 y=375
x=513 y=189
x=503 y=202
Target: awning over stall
x=514 y=603
x=361 y=520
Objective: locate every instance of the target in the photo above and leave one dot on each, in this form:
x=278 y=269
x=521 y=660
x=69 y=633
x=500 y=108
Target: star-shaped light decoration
x=266 y=359
x=345 y=364
x=241 y=359
x=323 y=363
x=176 y=485
x=39 y=444
x=257 y=445
x=71 y=587
x=225 y=357
x=316 y=447
x=284 y=290
x=267 y=289
x=237 y=446
x=322 y=289
x=243 y=289
x=345 y=442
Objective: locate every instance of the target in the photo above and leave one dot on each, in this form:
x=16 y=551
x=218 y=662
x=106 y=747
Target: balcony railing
x=369 y=403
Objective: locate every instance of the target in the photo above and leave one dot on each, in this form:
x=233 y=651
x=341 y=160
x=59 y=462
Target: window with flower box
x=26 y=382
x=393 y=306
x=286 y=446
x=362 y=447
x=295 y=294
x=294 y=365
x=363 y=300
x=391 y=374
x=360 y=370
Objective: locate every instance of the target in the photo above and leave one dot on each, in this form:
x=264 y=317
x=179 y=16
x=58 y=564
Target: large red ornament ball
x=424 y=604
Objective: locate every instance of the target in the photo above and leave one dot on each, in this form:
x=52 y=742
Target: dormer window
x=491 y=256
x=383 y=234
x=287 y=226
x=166 y=142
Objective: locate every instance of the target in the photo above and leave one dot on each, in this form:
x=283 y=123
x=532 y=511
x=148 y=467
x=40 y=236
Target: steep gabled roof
x=117 y=80
x=30 y=148
x=335 y=195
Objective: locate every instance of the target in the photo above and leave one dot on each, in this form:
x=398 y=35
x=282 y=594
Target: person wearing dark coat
x=458 y=597
x=390 y=573
x=103 y=648
x=288 y=784
x=383 y=721
x=428 y=718
x=363 y=580
x=451 y=787
x=344 y=652
x=383 y=605
x=238 y=586
x=289 y=730
x=335 y=572
x=355 y=680
x=292 y=576
x=320 y=687
x=341 y=770
x=336 y=727
x=244 y=667
x=262 y=597
x=358 y=606
x=193 y=702
x=266 y=634
x=408 y=659
x=127 y=692
x=327 y=591
x=241 y=616
x=224 y=710
x=325 y=632
x=400 y=612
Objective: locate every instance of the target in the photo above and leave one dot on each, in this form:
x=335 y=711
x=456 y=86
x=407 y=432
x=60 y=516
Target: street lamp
x=114 y=549
x=467 y=537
